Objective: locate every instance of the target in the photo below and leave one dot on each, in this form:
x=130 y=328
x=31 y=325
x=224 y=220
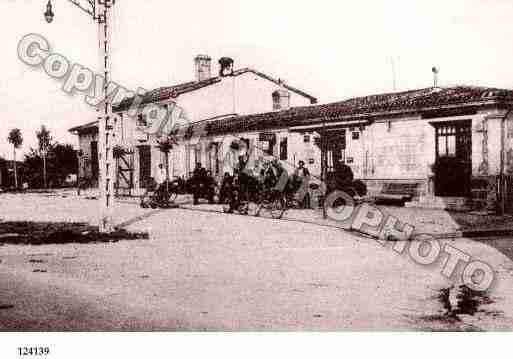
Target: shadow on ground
x=39 y=233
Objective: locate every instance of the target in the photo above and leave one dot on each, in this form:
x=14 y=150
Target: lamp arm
x=91 y=11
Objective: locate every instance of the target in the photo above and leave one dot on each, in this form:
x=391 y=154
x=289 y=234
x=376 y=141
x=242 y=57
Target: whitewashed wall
x=84 y=144
x=243 y=94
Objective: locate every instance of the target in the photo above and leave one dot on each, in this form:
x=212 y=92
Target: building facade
x=453 y=146
x=210 y=96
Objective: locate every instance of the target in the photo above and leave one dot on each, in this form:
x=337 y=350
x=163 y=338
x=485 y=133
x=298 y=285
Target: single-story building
x=450 y=146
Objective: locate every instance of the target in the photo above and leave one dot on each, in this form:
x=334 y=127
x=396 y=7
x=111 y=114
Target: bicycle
x=162 y=196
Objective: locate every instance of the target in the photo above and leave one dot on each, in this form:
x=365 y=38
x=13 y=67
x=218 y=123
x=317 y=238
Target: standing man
x=199 y=177
x=302 y=175
x=160 y=179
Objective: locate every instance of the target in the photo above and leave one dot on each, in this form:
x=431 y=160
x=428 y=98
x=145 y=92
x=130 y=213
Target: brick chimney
x=225 y=66
x=281 y=98
x=202 y=67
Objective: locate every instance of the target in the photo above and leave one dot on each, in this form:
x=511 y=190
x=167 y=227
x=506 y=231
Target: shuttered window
x=144 y=166
x=283 y=149
x=94 y=160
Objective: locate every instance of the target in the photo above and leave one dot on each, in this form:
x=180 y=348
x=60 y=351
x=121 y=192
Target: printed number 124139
x=33 y=351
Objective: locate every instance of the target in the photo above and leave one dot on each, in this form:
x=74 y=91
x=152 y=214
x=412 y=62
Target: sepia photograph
x=255 y=166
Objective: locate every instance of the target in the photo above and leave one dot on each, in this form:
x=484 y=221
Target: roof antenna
x=435 y=72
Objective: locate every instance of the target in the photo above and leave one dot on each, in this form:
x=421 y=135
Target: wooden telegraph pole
x=100 y=11
x=105 y=120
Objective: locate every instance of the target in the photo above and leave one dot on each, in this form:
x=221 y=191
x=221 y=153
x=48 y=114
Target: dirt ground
x=210 y=271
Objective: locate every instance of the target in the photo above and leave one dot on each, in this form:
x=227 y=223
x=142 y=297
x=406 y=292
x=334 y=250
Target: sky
x=333 y=50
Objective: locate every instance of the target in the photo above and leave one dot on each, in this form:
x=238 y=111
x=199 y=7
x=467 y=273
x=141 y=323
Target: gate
x=125 y=174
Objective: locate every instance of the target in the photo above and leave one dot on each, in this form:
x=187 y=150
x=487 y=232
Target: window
x=197 y=154
x=276 y=100
x=306 y=139
x=268 y=148
x=267 y=141
x=283 y=149
x=141 y=120
x=446 y=141
x=356 y=135
x=213 y=155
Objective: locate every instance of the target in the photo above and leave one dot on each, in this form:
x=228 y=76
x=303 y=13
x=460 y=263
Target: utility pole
x=105 y=128
x=101 y=11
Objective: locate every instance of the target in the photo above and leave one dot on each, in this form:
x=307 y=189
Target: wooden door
x=453 y=168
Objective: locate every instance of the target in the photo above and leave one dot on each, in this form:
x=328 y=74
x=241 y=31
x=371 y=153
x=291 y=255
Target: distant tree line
x=47 y=166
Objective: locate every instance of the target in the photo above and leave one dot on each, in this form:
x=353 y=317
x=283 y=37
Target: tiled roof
x=165 y=93
x=414 y=101
x=367 y=106
x=88 y=127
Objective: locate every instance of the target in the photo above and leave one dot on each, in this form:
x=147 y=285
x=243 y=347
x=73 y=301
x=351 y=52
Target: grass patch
x=39 y=233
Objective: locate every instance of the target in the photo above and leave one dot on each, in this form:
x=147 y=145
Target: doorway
x=333 y=149
x=95 y=168
x=453 y=168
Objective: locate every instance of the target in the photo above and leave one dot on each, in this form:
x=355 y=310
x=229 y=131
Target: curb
x=488 y=233
x=478 y=233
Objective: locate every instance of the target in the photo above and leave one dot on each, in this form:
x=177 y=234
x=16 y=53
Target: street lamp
x=49 y=13
x=100 y=10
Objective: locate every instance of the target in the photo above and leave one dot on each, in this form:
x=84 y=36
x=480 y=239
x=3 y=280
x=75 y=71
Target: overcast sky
x=330 y=49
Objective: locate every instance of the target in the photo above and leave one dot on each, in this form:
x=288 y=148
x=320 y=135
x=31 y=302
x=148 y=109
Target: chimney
x=202 y=67
x=225 y=66
x=281 y=98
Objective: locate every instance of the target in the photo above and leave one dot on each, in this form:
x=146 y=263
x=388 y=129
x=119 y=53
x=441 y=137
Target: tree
x=16 y=140
x=34 y=164
x=64 y=161
x=61 y=160
x=3 y=172
x=45 y=141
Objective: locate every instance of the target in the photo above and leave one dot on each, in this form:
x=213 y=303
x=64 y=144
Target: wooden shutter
x=94 y=160
x=144 y=166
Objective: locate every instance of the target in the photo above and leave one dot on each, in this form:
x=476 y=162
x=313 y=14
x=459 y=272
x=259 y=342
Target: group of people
x=247 y=183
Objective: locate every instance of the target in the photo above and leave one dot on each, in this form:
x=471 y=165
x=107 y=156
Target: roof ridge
x=184 y=87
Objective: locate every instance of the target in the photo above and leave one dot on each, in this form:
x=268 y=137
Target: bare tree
x=16 y=140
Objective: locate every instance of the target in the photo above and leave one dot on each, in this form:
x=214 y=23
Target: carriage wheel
x=340 y=201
